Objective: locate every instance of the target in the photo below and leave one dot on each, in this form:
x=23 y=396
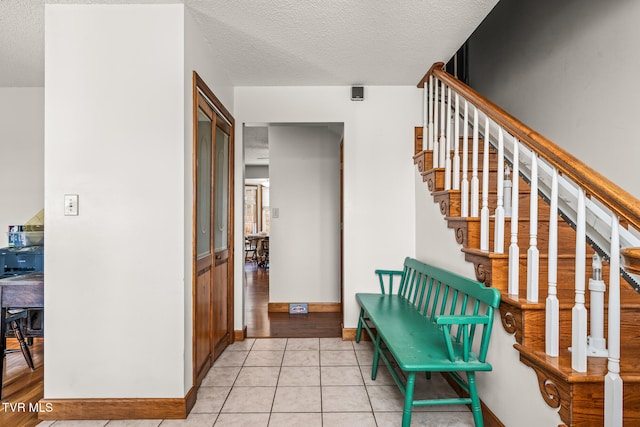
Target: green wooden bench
x=429 y=325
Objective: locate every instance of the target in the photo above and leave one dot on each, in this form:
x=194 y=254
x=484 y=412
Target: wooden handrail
x=619 y=201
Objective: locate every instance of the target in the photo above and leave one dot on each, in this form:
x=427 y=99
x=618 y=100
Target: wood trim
x=240 y=335
x=194 y=209
x=117 y=409
x=231 y=227
x=200 y=84
x=614 y=197
x=190 y=399
x=349 y=334
x=314 y=307
x=490 y=419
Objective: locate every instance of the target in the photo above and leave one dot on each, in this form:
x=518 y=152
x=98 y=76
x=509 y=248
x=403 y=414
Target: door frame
x=200 y=87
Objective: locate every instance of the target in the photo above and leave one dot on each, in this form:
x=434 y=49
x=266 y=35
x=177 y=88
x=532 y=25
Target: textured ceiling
x=285 y=42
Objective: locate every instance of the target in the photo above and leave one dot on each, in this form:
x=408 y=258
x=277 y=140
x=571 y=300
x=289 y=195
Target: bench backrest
x=437 y=293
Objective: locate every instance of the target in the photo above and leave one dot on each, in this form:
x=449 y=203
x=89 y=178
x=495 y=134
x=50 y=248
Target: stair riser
x=453 y=207
x=435 y=180
x=529 y=324
x=424 y=160
x=494 y=273
x=468 y=235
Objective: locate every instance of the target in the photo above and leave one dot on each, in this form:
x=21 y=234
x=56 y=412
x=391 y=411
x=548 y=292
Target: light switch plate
x=71 y=204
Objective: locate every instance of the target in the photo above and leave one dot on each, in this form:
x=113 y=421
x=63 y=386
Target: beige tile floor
x=301 y=382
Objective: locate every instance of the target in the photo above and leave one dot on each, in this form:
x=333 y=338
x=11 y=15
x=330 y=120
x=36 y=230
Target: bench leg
x=476 y=410
x=376 y=358
x=408 y=399
x=359 y=331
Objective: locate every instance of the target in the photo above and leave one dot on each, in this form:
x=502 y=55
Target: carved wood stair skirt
x=579 y=393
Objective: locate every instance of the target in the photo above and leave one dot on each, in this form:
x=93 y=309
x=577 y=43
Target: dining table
x=25 y=291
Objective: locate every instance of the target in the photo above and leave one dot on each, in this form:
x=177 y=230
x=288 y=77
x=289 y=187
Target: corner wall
x=22 y=154
x=114 y=134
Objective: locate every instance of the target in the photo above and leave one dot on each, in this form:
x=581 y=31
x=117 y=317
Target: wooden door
x=223 y=217
x=203 y=295
x=213 y=230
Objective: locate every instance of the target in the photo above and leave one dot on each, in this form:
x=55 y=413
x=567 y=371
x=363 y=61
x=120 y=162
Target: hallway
x=262 y=324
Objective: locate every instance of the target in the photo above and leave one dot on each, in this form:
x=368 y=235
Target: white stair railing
x=436 y=107
x=484 y=213
x=456 y=144
x=552 y=307
x=447 y=151
x=552 y=177
x=613 y=386
x=579 y=312
x=443 y=128
x=464 y=185
x=498 y=226
x=475 y=183
x=533 y=255
x=514 y=249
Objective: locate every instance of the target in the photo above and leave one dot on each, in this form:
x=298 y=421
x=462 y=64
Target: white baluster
x=425 y=113
x=456 y=145
x=430 y=134
x=443 y=120
x=579 y=312
x=436 y=142
x=552 y=314
x=484 y=213
x=508 y=185
x=596 y=343
x=475 y=190
x=464 y=185
x=514 y=249
x=447 y=151
x=613 y=386
x=533 y=255
x=498 y=226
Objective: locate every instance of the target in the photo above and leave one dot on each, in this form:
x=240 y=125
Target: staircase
x=576 y=388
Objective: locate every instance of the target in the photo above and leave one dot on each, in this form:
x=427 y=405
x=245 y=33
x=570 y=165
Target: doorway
x=212 y=229
x=302 y=164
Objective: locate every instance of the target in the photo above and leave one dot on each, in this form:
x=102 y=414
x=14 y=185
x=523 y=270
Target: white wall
x=198 y=57
x=379 y=209
x=22 y=154
x=570 y=71
x=304 y=243
x=114 y=134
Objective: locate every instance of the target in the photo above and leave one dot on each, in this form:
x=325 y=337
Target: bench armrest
x=389 y=274
x=462 y=319
x=466 y=328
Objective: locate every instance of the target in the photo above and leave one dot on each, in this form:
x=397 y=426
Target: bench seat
x=414 y=341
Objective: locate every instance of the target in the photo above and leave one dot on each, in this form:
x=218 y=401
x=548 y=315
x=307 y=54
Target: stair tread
x=491 y=218
x=521 y=302
x=561 y=366
x=492 y=255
